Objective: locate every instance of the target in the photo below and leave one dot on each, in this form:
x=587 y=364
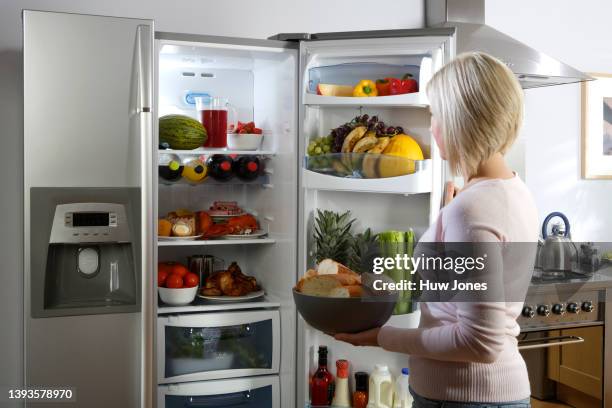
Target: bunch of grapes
x=320 y=145
x=372 y=123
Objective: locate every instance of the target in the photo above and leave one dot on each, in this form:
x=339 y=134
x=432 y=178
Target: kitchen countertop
x=602 y=279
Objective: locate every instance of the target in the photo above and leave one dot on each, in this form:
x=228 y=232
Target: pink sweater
x=468 y=351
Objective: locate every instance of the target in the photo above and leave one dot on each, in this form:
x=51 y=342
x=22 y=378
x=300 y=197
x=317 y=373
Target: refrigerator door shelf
x=416 y=183
x=416 y=99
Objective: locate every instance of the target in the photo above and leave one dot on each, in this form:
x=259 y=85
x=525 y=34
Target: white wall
x=576 y=33
x=246 y=18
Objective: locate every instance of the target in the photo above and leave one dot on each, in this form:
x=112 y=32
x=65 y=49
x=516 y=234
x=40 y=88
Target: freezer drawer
x=210 y=346
x=258 y=392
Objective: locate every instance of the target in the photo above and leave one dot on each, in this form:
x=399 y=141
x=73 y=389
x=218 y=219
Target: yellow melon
x=392 y=163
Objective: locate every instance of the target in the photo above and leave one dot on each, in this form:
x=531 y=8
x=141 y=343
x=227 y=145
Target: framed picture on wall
x=597 y=127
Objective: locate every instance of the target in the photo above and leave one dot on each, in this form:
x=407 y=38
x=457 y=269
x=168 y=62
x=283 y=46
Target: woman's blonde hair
x=479 y=105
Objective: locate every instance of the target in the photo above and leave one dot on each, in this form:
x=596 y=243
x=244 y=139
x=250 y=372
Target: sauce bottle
x=342 y=396
x=195 y=170
x=322 y=383
x=360 y=396
x=170 y=167
x=247 y=168
x=220 y=167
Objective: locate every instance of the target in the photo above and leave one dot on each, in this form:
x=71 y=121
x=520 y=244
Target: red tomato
x=162 y=275
x=174 y=281
x=164 y=266
x=179 y=269
x=190 y=280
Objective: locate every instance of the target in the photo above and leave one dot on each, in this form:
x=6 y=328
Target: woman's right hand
x=450 y=191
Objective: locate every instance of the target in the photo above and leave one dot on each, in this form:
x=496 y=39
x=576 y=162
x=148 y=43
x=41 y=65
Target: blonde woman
x=465 y=354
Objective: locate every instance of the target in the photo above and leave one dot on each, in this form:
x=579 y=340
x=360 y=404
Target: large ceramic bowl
x=344 y=315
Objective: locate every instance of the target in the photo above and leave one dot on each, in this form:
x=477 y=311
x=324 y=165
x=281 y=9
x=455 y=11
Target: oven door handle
x=558 y=341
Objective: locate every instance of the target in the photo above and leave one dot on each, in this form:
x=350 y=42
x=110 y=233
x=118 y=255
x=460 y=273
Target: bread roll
x=346 y=291
x=331 y=267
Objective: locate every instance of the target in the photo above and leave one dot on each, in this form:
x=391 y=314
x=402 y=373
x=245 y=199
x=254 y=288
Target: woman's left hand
x=364 y=338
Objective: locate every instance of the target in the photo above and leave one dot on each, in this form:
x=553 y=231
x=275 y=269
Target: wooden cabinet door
x=579 y=366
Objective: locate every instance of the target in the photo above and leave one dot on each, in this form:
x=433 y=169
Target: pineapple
x=362 y=247
x=332 y=235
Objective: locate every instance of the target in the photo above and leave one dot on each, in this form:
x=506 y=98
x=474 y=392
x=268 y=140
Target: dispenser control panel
x=90 y=223
x=90 y=219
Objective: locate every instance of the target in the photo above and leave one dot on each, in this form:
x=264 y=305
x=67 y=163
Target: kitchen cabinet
x=578 y=366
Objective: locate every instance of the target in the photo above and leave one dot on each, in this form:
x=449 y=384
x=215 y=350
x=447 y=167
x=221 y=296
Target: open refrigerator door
x=367 y=149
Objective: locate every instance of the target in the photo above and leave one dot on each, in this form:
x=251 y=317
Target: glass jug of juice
x=213 y=112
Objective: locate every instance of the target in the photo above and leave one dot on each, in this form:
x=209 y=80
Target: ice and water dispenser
x=86 y=264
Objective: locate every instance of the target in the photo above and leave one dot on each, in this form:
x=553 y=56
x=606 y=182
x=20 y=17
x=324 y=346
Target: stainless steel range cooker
x=566 y=339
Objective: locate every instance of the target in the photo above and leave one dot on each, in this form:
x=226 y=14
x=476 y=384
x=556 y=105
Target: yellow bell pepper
x=365 y=88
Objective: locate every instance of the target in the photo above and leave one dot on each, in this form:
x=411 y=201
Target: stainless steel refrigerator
x=88 y=207
x=94 y=88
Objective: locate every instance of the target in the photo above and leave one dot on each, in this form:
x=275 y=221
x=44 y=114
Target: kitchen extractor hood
x=531 y=67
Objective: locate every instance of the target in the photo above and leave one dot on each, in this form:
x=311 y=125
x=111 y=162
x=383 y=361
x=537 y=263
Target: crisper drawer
x=256 y=392
x=210 y=346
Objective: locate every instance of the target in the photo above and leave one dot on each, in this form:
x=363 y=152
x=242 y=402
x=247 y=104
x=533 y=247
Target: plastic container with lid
x=380 y=388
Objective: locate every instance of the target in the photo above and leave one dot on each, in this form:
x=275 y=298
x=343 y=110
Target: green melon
x=181 y=132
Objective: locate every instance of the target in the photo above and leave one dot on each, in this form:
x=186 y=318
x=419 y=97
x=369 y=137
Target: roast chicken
x=231 y=282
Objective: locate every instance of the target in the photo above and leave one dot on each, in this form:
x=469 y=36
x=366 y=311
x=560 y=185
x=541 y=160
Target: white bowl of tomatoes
x=244 y=136
x=175 y=284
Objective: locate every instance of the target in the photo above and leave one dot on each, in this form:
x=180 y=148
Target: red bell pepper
x=395 y=86
x=383 y=87
x=409 y=84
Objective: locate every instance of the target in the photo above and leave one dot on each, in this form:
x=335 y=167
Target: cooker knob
x=558 y=309
x=587 y=306
x=573 y=307
x=528 y=312
x=543 y=310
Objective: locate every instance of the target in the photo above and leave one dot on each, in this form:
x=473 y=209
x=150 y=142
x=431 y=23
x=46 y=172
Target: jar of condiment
x=360 y=396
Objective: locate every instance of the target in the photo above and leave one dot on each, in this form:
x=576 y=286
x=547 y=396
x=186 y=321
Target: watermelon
x=181 y=132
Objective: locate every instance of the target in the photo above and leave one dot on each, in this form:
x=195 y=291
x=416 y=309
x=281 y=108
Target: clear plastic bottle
x=402 y=397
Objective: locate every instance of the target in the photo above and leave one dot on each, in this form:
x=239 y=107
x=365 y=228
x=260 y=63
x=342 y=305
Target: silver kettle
x=557 y=255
